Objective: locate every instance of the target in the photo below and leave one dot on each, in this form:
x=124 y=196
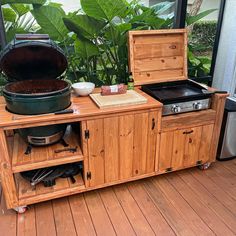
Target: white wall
x=225 y=70
x=72 y=5
x=69 y=5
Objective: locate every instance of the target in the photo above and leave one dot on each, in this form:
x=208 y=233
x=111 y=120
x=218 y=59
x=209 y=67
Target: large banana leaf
x=162 y=7
x=192 y=19
x=84 y=25
x=50 y=20
x=86 y=48
x=105 y=9
x=149 y=18
x=9 y=14
x=20 y=9
x=40 y=2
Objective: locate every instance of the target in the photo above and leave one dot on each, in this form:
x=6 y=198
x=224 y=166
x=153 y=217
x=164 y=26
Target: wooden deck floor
x=190 y=202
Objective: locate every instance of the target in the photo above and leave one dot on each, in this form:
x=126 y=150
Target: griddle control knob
x=176 y=109
x=197 y=106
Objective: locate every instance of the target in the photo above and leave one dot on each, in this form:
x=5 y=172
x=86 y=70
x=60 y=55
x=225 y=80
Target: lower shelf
x=28 y=194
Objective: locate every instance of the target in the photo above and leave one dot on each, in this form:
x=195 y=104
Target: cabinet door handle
x=188 y=132
x=153 y=124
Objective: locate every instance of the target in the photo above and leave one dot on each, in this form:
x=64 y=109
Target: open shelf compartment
x=28 y=194
x=45 y=156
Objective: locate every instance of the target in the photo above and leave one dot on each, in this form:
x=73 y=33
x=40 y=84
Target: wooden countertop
x=84 y=108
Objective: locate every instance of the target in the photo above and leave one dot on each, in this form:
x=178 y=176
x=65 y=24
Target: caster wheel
x=204 y=166
x=21 y=209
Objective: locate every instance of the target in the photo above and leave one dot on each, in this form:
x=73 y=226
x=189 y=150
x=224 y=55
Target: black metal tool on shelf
x=69 y=149
x=28 y=150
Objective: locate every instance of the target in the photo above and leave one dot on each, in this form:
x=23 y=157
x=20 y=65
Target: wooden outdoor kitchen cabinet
x=118 y=144
x=185 y=147
x=122 y=146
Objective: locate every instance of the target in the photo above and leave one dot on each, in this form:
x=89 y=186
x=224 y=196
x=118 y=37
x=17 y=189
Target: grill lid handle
x=32 y=37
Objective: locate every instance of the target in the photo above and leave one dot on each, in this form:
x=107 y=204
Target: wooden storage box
x=158 y=55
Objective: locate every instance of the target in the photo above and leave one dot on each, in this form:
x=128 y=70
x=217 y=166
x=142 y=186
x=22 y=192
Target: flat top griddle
x=177 y=91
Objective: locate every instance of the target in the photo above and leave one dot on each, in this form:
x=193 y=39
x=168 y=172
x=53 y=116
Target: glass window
x=202 y=17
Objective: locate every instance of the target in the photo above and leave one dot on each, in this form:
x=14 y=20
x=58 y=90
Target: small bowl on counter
x=83 y=88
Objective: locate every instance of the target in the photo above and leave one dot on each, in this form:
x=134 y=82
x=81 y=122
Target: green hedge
x=203 y=35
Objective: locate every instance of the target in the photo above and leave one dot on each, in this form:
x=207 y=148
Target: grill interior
x=36 y=86
x=34 y=62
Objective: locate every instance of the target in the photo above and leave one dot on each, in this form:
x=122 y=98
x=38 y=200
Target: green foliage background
x=94 y=38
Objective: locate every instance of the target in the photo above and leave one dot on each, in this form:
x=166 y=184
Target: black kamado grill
x=32 y=64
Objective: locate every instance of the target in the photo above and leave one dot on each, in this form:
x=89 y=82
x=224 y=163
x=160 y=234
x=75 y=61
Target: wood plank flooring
x=189 y=202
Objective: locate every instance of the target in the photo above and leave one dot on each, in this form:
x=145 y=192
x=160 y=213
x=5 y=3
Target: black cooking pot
x=35 y=63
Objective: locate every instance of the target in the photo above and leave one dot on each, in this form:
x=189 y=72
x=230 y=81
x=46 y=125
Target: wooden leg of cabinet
x=7 y=179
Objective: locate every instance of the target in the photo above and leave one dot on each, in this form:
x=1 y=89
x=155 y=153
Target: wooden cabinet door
x=122 y=147
x=206 y=142
x=184 y=148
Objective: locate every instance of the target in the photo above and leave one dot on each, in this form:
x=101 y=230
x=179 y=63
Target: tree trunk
x=193 y=11
x=195 y=7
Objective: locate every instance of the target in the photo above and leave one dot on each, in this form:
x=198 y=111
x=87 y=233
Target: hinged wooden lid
x=158 y=55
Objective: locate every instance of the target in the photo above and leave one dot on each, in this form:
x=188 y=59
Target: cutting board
x=129 y=98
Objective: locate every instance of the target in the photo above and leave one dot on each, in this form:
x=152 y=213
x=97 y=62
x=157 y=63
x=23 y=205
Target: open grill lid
x=158 y=55
x=32 y=56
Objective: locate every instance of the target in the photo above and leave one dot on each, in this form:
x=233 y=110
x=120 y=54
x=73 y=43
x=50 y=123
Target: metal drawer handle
x=153 y=124
x=188 y=132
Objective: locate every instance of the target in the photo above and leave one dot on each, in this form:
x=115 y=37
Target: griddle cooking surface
x=175 y=91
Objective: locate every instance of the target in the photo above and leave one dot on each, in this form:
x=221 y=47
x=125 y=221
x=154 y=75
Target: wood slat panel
x=126 y=140
x=24 y=188
x=96 y=151
x=179 y=142
x=202 y=209
x=61 y=183
x=218 y=104
x=111 y=147
x=195 y=223
x=148 y=208
x=153 y=125
x=189 y=119
x=140 y=143
x=151 y=77
x=63 y=217
x=81 y=216
x=26 y=223
x=166 y=147
x=217 y=191
x=204 y=196
x=45 y=224
x=205 y=146
x=142 y=51
x=116 y=213
x=159 y=64
x=222 y=182
x=100 y=218
x=158 y=38
x=8 y=218
x=191 y=152
x=133 y=212
x=172 y=216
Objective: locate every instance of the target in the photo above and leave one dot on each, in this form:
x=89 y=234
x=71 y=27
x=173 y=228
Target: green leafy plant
x=94 y=37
